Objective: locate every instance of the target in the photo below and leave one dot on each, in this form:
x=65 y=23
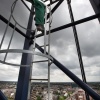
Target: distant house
x=66 y=94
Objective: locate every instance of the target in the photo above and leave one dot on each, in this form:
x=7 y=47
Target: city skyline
x=67 y=91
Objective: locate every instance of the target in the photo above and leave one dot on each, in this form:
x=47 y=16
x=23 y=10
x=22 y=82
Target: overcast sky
x=63 y=46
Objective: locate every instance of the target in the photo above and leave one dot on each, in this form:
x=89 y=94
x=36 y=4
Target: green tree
x=61 y=98
x=39 y=98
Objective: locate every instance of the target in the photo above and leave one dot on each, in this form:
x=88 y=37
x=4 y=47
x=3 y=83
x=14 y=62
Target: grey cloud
x=40 y=69
x=8 y=72
x=89 y=39
x=93 y=71
x=93 y=61
x=62 y=38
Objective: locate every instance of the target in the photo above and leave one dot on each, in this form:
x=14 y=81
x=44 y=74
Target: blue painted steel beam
x=24 y=73
x=55 y=29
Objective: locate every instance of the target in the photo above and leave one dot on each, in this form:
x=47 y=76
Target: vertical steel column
x=24 y=73
x=77 y=45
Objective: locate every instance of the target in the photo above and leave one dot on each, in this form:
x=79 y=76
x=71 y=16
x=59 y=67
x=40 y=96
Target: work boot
x=40 y=28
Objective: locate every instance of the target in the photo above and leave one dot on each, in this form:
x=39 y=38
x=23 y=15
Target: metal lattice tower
x=23 y=86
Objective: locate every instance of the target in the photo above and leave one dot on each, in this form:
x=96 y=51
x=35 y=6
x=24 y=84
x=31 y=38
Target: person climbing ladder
x=39 y=14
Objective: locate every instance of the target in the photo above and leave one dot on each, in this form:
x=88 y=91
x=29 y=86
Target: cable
x=77 y=46
x=69 y=1
x=77 y=43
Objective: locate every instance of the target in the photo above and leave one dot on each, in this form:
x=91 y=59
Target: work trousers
x=39 y=12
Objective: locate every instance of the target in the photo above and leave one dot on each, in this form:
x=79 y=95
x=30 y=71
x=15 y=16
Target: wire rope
x=77 y=46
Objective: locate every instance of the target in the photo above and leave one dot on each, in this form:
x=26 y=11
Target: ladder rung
x=43 y=45
x=40 y=61
x=38 y=35
x=40 y=79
